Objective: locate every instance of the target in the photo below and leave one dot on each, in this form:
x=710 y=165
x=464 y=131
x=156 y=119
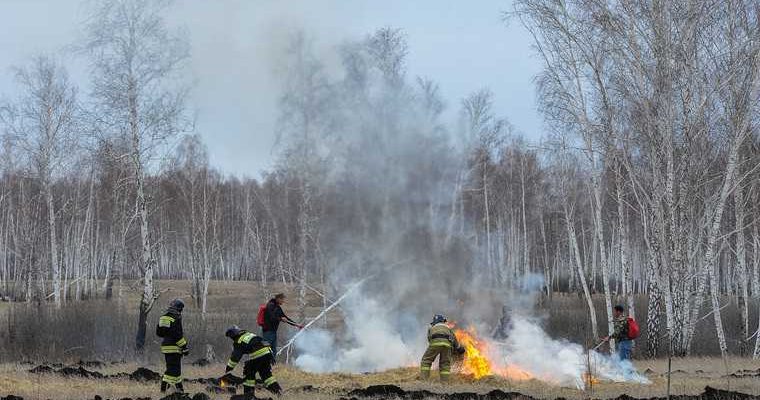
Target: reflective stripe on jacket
x=248 y=343
x=441 y=335
x=174 y=341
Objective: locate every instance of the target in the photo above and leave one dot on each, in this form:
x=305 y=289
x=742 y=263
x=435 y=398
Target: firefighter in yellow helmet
x=441 y=344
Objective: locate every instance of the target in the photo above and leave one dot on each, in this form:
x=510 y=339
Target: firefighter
x=441 y=343
x=174 y=344
x=260 y=359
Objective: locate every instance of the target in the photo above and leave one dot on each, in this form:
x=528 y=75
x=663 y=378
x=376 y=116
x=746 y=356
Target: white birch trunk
x=599 y=233
x=573 y=243
x=741 y=270
x=55 y=265
x=713 y=233
x=148 y=297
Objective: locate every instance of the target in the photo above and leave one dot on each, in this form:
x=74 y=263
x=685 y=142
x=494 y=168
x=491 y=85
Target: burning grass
x=481 y=360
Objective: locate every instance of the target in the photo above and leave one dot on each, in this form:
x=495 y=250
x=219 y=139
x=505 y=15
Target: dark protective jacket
x=620 y=328
x=441 y=335
x=170 y=328
x=272 y=316
x=247 y=343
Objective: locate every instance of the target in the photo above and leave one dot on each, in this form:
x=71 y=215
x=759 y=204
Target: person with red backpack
x=269 y=318
x=626 y=329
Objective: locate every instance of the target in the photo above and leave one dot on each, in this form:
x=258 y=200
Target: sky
x=462 y=45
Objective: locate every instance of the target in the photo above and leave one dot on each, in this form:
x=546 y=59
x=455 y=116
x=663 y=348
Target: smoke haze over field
x=560 y=361
x=380 y=335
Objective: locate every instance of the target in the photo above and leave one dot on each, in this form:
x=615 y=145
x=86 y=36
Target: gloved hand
x=186 y=351
x=231 y=379
x=460 y=350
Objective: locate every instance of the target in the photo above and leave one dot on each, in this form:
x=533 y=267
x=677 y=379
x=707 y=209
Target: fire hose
x=336 y=303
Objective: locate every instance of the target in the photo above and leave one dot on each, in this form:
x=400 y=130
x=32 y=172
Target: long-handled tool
x=599 y=345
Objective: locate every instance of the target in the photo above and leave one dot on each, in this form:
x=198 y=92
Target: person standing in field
x=621 y=334
x=273 y=315
x=441 y=343
x=173 y=346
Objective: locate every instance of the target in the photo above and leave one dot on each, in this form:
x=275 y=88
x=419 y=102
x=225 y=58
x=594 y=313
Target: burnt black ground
x=140 y=374
x=392 y=392
x=377 y=392
x=395 y=392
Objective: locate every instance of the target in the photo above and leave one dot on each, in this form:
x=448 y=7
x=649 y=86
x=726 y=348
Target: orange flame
x=590 y=380
x=475 y=362
x=478 y=361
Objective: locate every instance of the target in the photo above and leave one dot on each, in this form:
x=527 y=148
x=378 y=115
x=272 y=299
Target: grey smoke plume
x=376 y=136
x=560 y=362
x=379 y=337
x=373 y=342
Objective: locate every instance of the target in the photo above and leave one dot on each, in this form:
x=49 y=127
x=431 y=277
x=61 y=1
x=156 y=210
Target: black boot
x=180 y=388
x=249 y=392
x=164 y=386
x=275 y=388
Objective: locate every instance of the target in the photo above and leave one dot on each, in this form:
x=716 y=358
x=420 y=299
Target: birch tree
x=135 y=60
x=573 y=89
x=198 y=212
x=42 y=125
x=484 y=133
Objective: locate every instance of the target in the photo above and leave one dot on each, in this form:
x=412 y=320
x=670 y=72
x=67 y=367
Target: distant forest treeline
x=646 y=181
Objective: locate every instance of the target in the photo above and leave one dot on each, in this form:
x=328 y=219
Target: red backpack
x=633 y=329
x=260 y=319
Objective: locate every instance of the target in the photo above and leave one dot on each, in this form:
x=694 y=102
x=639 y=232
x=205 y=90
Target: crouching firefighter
x=260 y=359
x=441 y=344
x=174 y=344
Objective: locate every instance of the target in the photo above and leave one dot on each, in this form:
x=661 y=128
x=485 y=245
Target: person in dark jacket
x=259 y=362
x=272 y=318
x=174 y=344
x=623 y=344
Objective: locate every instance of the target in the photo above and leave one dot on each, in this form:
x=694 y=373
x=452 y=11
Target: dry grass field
x=97 y=329
x=690 y=376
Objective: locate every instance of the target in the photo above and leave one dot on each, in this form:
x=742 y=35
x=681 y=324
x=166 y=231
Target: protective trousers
x=263 y=367
x=443 y=353
x=173 y=373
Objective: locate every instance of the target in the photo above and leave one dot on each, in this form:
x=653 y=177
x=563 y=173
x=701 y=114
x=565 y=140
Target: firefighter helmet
x=232 y=332
x=177 y=304
x=438 y=318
